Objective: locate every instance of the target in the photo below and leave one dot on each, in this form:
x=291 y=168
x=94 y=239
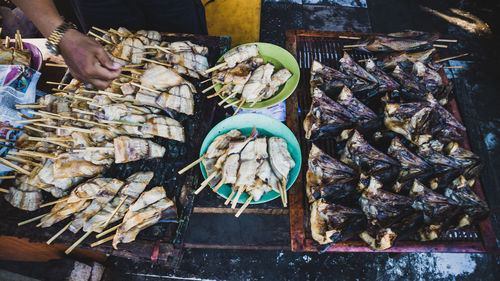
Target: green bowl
x=266 y=126
x=280 y=58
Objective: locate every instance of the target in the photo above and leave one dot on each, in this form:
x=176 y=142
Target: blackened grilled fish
x=333 y=223
x=325 y=117
x=328 y=177
x=468 y=161
x=385 y=82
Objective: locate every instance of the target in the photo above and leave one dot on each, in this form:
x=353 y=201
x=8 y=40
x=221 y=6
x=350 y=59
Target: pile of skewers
x=399 y=171
x=254 y=164
x=78 y=132
x=244 y=75
x=15 y=55
x=99 y=202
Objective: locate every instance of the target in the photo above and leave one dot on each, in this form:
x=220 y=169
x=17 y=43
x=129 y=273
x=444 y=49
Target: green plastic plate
x=280 y=58
x=266 y=126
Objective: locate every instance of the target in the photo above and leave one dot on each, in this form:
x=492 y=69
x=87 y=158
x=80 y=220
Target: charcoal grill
x=327 y=48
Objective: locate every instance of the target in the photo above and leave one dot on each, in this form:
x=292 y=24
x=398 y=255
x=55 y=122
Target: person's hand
x=87 y=60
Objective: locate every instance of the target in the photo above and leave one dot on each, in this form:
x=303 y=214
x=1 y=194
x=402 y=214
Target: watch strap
x=57 y=35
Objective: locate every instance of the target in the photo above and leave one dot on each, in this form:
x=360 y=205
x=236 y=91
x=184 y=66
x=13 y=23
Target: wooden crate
x=326 y=47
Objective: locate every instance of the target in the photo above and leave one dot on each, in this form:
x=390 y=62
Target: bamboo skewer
x=100 y=38
x=365 y=60
x=46 y=218
x=14 y=166
x=232 y=104
x=245 y=205
x=439 y=46
x=453 y=57
x=102 y=241
x=218 y=186
x=36 y=154
x=233 y=192
x=53 y=202
x=349 y=37
x=7 y=177
x=205 y=183
x=226 y=98
x=34 y=129
x=212 y=69
x=210 y=88
x=32 y=220
x=29 y=106
x=28 y=121
x=5 y=140
x=109 y=230
x=453 y=67
x=58 y=233
x=100 y=30
x=56 y=65
x=156 y=62
x=183 y=170
x=354 y=45
x=219 y=91
x=239 y=106
x=447 y=40
x=114 y=212
x=237 y=197
x=24 y=161
x=4 y=190
x=206 y=80
x=56 y=83
x=145 y=88
x=78 y=242
x=132 y=70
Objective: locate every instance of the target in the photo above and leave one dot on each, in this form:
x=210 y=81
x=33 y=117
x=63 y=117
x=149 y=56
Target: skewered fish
x=349 y=66
x=333 y=223
x=257 y=82
x=160 y=78
x=240 y=54
x=280 y=159
x=325 y=117
x=135 y=185
x=328 y=79
x=166 y=100
x=444 y=169
x=328 y=177
x=380 y=43
x=68 y=165
x=391 y=60
x=141 y=216
x=102 y=197
x=132 y=149
x=279 y=78
x=24 y=196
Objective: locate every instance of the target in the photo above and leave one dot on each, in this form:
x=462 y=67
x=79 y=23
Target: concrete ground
x=478 y=33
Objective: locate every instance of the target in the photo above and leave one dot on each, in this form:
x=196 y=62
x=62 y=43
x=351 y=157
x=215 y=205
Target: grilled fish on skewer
x=135 y=185
x=247 y=170
x=444 y=169
x=328 y=177
x=349 y=66
x=332 y=223
x=468 y=161
x=160 y=78
x=327 y=78
x=391 y=60
x=182 y=46
x=173 y=102
x=325 y=116
x=279 y=78
x=390 y=44
x=25 y=197
x=281 y=162
x=134 y=222
x=240 y=54
x=130 y=149
x=104 y=195
x=69 y=165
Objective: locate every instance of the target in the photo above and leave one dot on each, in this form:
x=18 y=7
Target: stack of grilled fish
x=255 y=165
x=100 y=201
x=245 y=76
x=78 y=131
x=399 y=171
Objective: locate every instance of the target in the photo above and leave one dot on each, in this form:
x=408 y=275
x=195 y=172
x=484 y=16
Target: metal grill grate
x=328 y=51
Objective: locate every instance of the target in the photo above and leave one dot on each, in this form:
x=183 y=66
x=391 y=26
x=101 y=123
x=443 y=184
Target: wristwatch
x=56 y=36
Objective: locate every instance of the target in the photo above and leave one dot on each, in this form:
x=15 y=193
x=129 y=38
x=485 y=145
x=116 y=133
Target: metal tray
x=326 y=47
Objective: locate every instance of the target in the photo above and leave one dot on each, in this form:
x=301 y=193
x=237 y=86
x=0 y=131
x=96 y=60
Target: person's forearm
x=43 y=13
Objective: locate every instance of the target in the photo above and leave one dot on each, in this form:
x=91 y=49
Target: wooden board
x=326 y=46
